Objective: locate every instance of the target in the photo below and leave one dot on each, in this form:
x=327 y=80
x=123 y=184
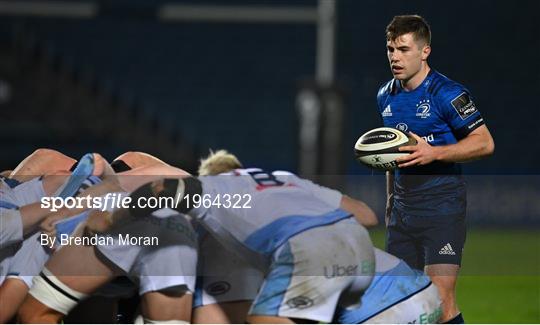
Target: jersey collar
x=396 y=85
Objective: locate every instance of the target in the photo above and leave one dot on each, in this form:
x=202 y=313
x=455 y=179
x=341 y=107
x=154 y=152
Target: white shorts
x=223 y=276
x=24 y=193
x=172 y=262
x=11 y=228
x=29 y=260
x=422 y=308
x=313 y=270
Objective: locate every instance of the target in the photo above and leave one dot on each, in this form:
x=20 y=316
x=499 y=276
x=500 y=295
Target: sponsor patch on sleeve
x=464 y=106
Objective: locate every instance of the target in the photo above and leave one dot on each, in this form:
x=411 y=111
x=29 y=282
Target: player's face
x=406 y=56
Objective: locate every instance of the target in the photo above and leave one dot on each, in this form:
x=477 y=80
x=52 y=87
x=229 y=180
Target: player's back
x=266 y=208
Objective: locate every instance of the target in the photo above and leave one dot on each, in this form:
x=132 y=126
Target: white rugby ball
x=378 y=148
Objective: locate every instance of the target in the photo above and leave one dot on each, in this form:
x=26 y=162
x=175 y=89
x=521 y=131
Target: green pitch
x=500 y=278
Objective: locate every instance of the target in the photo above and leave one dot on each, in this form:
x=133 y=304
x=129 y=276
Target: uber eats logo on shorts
x=170 y=224
x=336 y=270
x=428 y=318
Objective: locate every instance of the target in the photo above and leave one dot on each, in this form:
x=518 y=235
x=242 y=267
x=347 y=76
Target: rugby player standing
x=426 y=196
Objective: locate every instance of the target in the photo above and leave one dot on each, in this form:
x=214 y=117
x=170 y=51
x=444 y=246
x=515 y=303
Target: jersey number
x=264 y=179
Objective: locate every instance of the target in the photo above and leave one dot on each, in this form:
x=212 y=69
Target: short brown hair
x=405 y=24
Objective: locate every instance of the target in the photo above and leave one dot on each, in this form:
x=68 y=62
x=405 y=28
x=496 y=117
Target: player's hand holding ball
x=422 y=153
x=381 y=147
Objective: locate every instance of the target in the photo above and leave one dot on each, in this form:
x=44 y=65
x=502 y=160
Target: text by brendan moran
x=102 y=240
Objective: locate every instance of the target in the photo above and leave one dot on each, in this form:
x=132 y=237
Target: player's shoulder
x=282 y=173
x=386 y=89
x=444 y=88
x=254 y=171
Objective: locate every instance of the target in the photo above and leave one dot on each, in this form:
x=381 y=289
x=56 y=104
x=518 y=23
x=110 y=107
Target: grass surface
x=500 y=277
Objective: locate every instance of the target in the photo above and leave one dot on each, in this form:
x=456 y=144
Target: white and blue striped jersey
x=281 y=205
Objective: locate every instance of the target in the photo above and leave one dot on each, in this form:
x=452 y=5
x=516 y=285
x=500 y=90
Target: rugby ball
x=378 y=148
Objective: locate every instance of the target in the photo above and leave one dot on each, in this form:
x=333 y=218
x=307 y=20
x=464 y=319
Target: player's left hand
x=421 y=154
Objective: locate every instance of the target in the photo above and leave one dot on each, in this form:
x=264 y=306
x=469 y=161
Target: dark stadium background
x=123 y=80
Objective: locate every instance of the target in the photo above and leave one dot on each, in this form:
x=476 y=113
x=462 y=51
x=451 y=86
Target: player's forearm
x=361 y=211
x=32 y=215
x=474 y=146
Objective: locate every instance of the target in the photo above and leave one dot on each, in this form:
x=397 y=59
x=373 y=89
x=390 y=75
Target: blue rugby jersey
x=442 y=112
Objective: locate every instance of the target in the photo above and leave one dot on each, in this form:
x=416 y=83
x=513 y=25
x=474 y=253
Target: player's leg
x=70 y=275
x=167 y=271
x=94 y=310
x=444 y=277
x=443 y=244
x=41 y=162
x=167 y=306
x=234 y=312
x=12 y=294
x=226 y=284
x=307 y=278
x=401 y=242
x=25 y=264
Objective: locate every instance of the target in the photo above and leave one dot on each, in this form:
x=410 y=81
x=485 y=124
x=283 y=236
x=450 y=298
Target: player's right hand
x=98 y=222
